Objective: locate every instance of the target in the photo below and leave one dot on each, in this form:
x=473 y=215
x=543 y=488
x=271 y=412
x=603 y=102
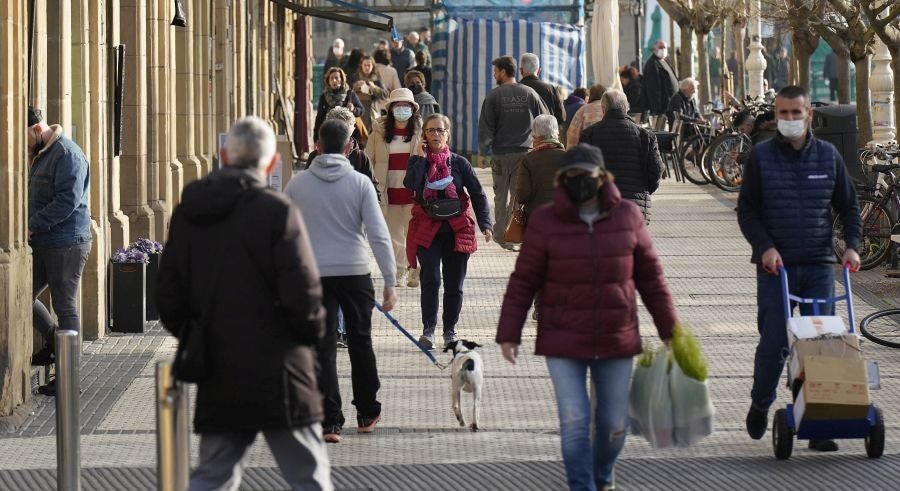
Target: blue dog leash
x=410 y=336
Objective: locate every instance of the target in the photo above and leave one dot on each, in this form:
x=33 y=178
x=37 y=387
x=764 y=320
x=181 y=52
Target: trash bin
x=836 y=124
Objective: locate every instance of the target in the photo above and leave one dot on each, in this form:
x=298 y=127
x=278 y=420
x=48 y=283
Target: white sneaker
x=412 y=280
x=401 y=274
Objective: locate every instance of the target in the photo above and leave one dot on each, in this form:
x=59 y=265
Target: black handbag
x=442 y=209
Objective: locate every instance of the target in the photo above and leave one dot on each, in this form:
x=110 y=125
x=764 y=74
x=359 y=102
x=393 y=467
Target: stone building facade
x=181 y=87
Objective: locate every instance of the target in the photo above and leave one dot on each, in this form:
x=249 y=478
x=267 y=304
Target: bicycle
x=877 y=221
x=882 y=327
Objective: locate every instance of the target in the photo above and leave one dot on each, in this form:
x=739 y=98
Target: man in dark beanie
x=58 y=229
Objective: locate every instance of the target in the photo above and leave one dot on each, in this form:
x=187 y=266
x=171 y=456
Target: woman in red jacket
x=587 y=253
x=439 y=239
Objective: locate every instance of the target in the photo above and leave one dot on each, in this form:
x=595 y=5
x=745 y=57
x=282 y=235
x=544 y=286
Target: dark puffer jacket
x=630 y=153
x=234 y=238
x=587 y=276
x=786 y=200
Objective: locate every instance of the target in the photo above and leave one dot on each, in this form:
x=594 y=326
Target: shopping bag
x=650 y=401
x=692 y=408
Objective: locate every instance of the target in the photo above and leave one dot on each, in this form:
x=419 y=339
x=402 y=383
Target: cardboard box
x=835 y=388
x=846 y=346
x=813 y=326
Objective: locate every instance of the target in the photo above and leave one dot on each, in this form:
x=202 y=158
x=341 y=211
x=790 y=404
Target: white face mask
x=662 y=52
x=402 y=113
x=792 y=129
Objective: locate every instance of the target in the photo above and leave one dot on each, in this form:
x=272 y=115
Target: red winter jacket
x=587 y=306
x=423 y=228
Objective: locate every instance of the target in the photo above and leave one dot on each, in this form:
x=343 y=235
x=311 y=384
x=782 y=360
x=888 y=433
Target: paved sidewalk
x=419 y=446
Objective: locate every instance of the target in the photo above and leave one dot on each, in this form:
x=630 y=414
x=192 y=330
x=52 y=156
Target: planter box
x=128 y=295
x=152 y=270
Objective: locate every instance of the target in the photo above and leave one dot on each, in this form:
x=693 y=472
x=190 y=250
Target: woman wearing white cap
x=395 y=137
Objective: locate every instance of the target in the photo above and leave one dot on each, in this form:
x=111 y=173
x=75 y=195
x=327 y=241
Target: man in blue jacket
x=58 y=229
x=791 y=183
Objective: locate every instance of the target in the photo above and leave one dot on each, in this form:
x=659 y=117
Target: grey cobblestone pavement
x=419 y=446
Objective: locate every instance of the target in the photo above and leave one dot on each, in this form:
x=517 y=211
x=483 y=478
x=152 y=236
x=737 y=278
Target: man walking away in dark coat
x=791 y=184
x=630 y=152
x=530 y=68
x=239 y=265
x=660 y=81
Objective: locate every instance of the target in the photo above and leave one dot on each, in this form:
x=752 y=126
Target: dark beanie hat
x=34 y=116
x=582 y=156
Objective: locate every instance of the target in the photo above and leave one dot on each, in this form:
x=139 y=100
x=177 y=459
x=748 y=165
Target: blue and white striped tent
x=464 y=48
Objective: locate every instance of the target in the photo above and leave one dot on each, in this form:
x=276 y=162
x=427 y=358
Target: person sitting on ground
x=336 y=94
x=415 y=82
x=344 y=216
x=589 y=114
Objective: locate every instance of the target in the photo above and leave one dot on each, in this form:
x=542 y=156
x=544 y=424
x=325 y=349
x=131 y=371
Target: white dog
x=466 y=374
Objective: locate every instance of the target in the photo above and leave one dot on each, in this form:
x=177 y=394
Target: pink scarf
x=438 y=170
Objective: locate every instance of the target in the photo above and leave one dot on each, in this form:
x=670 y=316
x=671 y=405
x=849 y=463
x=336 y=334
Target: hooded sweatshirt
x=336 y=203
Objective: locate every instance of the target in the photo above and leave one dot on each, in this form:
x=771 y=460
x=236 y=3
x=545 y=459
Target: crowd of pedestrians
x=384 y=180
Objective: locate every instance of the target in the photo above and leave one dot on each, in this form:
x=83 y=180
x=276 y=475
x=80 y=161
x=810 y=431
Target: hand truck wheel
x=782 y=435
x=875 y=438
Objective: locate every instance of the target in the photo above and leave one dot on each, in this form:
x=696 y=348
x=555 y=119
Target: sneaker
x=427 y=341
x=332 y=434
x=757 y=421
x=367 y=425
x=49 y=389
x=510 y=247
x=412 y=278
x=534 y=316
x=341 y=340
x=46 y=356
x=823 y=445
x=401 y=274
x=449 y=337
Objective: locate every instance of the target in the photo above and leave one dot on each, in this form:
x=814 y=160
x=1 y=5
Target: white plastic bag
x=650 y=402
x=692 y=409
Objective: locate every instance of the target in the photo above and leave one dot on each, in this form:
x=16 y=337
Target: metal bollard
x=172 y=431
x=68 y=460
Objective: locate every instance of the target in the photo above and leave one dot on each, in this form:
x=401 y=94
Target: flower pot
x=152 y=270
x=128 y=292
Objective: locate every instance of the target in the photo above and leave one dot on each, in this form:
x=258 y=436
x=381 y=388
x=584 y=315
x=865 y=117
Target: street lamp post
x=881 y=85
x=637 y=11
x=756 y=63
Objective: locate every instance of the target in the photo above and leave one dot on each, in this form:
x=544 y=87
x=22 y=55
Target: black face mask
x=415 y=88
x=581 y=188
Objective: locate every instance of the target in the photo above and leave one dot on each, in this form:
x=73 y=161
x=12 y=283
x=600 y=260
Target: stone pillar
x=134 y=159
x=881 y=84
x=756 y=63
x=202 y=83
x=223 y=68
x=165 y=171
x=59 y=64
x=185 y=127
x=239 y=73
x=15 y=255
x=119 y=232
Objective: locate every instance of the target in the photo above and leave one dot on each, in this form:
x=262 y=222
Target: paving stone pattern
x=419 y=445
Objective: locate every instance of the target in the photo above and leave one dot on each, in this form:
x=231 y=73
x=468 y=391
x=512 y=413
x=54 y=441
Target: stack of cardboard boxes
x=826 y=360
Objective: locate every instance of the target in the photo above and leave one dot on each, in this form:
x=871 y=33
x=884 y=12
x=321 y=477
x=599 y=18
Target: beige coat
x=378 y=152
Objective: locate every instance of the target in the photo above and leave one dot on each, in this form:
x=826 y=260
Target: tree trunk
x=703 y=59
x=740 y=88
x=803 y=64
x=804 y=45
x=843 y=66
x=727 y=82
x=863 y=102
x=895 y=66
x=686 y=57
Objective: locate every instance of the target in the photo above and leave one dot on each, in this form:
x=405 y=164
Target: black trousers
x=355 y=295
x=437 y=262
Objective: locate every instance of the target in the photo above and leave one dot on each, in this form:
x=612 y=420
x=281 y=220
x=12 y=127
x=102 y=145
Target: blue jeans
x=809 y=281
x=589 y=466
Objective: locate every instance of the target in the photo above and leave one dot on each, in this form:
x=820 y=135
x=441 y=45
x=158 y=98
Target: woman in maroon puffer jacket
x=587 y=253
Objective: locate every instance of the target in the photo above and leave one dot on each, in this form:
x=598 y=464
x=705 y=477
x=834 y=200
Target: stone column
x=223 y=69
x=15 y=255
x=118 y=220
x=881 y=85
x=59 y=64
x=202 y=83
x=239 y=73
x=165 y=171
x=756 y=63
x=185 y=127
x=134 y=159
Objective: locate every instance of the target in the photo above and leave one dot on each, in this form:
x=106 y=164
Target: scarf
x=546 y=144
x=439 y=178
x=337 y=97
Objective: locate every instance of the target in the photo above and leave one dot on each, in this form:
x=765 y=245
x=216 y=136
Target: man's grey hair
x=529 y=63
x=545 y=126
x=687 y=83
x=341 y=113
x=250 y=143
x=614 y=99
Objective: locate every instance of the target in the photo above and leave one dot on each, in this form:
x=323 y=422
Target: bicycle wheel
x=691 y=160
x=705 y=167
x=882 y=327
x=876 y=240
x=724 y=170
